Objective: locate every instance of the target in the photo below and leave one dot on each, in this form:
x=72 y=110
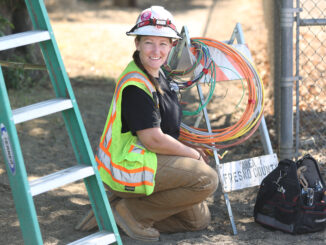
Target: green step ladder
x=65 y=102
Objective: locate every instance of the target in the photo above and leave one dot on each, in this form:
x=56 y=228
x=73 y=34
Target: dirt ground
x=92 y=41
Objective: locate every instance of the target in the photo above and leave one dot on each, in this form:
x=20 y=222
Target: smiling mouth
x=153 y=58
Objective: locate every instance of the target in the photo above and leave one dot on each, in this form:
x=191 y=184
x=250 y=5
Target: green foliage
x=17 y=78
x=4 y=23
x=12 y=15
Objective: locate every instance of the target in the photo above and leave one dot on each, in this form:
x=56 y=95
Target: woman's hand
x=204 y=155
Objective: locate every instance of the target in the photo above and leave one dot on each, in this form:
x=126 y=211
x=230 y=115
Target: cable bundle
x=202 y=54
x=251 y=117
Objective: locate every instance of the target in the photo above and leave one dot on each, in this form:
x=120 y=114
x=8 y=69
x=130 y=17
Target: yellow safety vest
x=123 y=162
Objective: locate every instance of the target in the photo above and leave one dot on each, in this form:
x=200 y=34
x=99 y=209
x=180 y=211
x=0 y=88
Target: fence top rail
x=312 y=22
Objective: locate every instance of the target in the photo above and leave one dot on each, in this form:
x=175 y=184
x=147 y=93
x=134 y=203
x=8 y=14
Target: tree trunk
x=15 y=19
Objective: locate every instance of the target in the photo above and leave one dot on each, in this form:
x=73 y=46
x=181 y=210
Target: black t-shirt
x=140 y=112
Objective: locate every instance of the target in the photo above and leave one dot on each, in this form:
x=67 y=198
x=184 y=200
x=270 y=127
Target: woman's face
x=153 y=52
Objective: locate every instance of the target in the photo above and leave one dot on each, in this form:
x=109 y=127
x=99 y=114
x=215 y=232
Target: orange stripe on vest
x=101 y=165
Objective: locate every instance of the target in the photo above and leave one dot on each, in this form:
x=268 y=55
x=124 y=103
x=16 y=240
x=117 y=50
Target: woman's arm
x=156 y=141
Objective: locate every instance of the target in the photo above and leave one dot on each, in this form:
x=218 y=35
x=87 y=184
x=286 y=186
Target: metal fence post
x=276 y=49
x=286 y=119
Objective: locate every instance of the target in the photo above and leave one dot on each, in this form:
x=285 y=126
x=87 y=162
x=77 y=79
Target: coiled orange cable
x=249 y=120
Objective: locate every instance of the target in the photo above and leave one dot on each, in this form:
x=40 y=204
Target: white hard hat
x=155 y=21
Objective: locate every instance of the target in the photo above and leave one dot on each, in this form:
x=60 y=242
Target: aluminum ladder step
x=60 y=178
x=99 y=238
x=41 y=109
x=22 y=39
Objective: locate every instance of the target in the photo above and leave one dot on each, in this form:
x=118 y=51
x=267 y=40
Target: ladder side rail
x=59 y=77
x=72 y=118
x=99 y=207
x=84 y=155
x=61 y=83
x=17 y=175
x=60 y=80
x=94 y=185
x=78 y=136
x=50 y=50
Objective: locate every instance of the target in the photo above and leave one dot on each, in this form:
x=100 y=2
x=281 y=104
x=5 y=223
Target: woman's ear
x=137 y=44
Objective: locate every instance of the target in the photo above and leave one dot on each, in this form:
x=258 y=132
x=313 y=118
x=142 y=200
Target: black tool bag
x=292 y=198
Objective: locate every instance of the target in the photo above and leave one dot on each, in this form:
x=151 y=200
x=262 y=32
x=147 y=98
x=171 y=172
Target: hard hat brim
x=154 y=31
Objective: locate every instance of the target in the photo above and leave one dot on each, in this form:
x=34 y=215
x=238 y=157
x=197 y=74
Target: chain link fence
x=310 y=69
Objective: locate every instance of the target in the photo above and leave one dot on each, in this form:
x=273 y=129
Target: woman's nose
x=156 y=49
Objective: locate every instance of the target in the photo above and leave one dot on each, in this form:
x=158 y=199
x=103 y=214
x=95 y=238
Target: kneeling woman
x=160 y=183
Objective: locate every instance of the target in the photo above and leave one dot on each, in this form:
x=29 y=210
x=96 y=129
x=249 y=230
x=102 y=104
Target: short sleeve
x=138 y=110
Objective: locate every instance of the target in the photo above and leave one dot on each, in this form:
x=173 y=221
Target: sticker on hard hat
x=8 y=149
x=146 y=15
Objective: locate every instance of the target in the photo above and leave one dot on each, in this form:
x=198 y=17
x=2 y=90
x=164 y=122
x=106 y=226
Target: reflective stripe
x=129 y=171
x=133 y=177
x=121 y=182
x=137 y=75
x=136 y=149
x=126 y=78
x=124 y=175
x=131 y=148
x=105 y=158
x=109 y=132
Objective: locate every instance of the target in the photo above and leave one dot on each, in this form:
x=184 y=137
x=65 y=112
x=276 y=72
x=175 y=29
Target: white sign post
x=246 y=173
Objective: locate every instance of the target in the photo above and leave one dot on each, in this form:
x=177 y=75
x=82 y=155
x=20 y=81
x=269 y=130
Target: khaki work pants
x=178 y=202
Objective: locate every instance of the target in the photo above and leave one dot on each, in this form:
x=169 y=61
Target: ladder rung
x=23 y=38
x=98 y=238
x=60 y=178
x=40 y=109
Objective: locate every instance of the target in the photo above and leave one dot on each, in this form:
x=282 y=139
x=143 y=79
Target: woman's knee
x=208 y=179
